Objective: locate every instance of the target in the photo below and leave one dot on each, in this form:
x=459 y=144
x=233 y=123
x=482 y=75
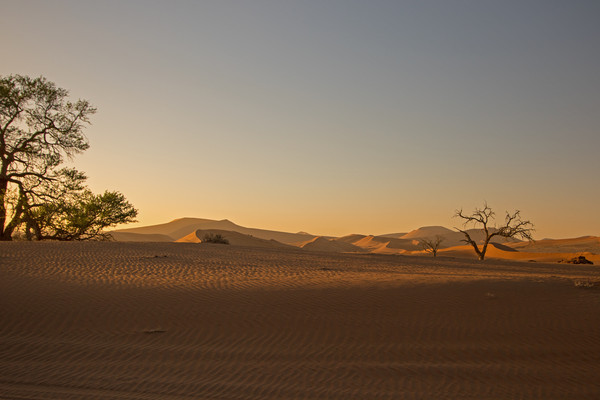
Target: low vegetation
x=215 y=238
x=577 y=260
x=585 y=284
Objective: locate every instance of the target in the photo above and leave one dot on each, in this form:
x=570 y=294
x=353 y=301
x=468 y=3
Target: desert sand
x=116 y=320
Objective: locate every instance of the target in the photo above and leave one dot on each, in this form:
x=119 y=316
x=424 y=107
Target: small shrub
x=577 y=260
x=585 y=284
x=215 y=238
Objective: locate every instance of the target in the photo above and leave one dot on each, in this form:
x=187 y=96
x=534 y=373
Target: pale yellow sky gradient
x=329 y=117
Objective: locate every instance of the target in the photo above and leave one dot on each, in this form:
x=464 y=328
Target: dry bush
x=215 y=238
x=585 y=284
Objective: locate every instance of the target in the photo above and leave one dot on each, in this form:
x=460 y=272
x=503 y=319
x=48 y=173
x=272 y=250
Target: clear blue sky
x=331 y=117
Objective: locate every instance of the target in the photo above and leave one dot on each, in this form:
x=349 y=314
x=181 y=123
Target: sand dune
x=324 y=244
x=380 y=244
x=175 y=229
x=234 y=239
x=547 y=250
x=494 y=250
x=174 y=321
x=452 y=238
x=428 y=231
x=573 y=245
x=179 y=228
x=394 y=235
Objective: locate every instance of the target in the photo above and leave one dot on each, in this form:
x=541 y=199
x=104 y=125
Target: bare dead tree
x=432 y=245
x=513 y=227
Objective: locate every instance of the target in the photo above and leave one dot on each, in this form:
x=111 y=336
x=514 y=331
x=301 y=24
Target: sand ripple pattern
x=188 y=321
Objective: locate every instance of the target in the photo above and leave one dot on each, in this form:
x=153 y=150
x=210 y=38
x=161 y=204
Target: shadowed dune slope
x=351 y=238
x=394 y=235
x=324 y=244
x=428 y=231
x=506 y=252
x=581 y=244
x=453 y=238
x=381 y=244
x=234 y=238
x=171 y=229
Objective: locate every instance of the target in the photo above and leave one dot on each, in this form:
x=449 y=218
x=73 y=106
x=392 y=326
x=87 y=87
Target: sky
x=331 y=117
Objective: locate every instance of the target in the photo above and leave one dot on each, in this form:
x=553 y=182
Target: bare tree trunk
x=484 y=249
x=480 y=253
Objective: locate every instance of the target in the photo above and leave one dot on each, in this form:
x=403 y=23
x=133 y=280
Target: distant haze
x=330 y=117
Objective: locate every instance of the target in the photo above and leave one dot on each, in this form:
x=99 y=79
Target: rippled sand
x=197 y=321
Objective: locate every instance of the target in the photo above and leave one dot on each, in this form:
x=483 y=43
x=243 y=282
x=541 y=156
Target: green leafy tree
x=82 y=218
x=39 y=128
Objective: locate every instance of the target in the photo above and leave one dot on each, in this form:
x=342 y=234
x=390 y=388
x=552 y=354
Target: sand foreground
x=198 y=321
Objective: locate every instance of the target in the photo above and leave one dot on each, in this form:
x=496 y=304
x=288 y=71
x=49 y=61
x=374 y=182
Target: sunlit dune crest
x=381 y=244
x=428 y=231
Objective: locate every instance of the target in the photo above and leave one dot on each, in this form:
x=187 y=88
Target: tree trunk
x=16 y=219
x=28 y=233
x=480 y=255
x=3 y=190
x=484 y=249
x=32 y=227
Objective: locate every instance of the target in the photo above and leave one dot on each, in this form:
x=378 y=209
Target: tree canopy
x=39 y=128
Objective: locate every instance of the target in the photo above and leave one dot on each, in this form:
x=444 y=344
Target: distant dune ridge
x=181 y=227
x=192 y=230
